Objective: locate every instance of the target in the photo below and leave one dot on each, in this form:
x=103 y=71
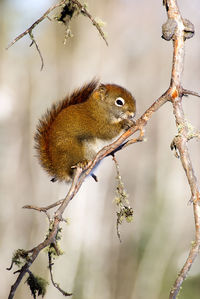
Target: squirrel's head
x=117 y=101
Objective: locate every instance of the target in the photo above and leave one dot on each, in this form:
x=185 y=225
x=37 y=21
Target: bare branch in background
x=82 y=9
x=30 y=29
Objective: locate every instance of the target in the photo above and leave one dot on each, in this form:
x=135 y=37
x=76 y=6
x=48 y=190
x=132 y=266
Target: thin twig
x=84 y=11
x=56 y=285
x=44 y=209
x=37 y=48
x=30 y=29
x=140 y=138
x=190 y=92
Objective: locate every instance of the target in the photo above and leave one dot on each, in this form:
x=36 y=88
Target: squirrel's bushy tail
x=43 y=128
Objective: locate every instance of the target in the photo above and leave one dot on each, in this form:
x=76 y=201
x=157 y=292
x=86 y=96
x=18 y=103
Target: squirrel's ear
x=101 y=92
x=102 y=89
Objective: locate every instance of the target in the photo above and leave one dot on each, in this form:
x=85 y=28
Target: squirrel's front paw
x=83 y=164
x=127 y=123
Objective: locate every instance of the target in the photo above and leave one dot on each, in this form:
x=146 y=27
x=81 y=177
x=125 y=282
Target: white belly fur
x=91 y=148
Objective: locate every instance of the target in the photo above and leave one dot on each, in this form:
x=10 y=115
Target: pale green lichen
x=37 y=285
x=20 y=257
x=124 y=212
x=193 y=243
x=100 y=22
x=191 y=131
x=54 y=248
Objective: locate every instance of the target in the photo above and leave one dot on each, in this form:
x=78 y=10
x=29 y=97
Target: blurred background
x=155 y=245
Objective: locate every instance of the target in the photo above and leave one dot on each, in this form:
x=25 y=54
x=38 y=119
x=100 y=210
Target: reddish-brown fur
x=75 y=129
x=42 y=135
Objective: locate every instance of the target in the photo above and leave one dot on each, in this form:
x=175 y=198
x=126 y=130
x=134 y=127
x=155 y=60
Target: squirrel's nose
x=130 y=115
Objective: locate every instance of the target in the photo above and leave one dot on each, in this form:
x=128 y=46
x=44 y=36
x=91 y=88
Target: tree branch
x=180 y=142
x=85 y=12
x=56 y=285
x=51 y=236
x=29 y=31
x=37 y=48
x=186 y=92
x=79 y=178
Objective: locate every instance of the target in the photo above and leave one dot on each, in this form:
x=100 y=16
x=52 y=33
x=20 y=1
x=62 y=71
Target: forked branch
x=79 y=178
x=183 y=30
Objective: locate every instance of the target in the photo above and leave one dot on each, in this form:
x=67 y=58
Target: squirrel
x=76 y=128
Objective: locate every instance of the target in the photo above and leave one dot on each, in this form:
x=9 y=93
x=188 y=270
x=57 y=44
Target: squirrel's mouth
x=124 y=115
x=128 y=115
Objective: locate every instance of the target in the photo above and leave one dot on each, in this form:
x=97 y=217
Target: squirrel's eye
x=119 y=102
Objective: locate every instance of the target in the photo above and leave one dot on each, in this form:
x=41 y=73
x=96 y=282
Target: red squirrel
x=76 y=128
